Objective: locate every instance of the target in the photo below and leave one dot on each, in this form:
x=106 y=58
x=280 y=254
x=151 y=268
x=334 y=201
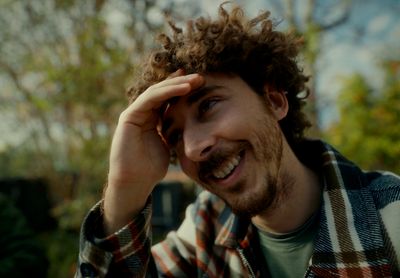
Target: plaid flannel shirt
x=354 y=239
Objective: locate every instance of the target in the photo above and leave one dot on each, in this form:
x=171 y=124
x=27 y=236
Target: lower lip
x=233 y=177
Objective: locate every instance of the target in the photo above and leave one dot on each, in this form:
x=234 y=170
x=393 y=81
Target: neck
x=298 y=199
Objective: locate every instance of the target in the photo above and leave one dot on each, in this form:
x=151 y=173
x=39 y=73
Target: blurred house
x=170 y=198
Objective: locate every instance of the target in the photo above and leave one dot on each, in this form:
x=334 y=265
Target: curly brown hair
x=249 y=48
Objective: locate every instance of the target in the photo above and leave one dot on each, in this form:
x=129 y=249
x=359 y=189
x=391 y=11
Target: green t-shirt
x=287 y=255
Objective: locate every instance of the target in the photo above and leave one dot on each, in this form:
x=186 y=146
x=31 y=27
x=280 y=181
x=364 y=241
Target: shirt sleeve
x=176 y=255
x=125 y=253
x=129 y=252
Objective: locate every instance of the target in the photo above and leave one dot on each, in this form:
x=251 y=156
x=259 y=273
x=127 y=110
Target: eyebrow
x=191 y=99
x=199 y=93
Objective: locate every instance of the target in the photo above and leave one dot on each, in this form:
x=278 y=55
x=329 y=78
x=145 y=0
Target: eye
x=206 y=105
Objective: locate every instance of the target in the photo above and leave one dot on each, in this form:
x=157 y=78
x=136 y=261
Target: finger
x=190 y=78
x=154 y=97
x=179 y=72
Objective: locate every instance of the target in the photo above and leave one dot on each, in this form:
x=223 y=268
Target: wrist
x=119 y=208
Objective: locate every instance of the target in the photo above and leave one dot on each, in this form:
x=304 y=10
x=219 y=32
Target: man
x=223 y=98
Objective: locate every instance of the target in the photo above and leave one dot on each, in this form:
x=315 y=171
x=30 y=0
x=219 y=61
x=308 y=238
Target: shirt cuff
x=98 y=251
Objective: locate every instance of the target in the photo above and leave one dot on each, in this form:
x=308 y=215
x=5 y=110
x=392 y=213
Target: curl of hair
x=233 y=44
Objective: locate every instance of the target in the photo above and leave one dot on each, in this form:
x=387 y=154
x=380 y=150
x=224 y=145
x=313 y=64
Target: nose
x=198 y=143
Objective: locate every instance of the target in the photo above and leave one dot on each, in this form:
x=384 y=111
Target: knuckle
x=123 y=115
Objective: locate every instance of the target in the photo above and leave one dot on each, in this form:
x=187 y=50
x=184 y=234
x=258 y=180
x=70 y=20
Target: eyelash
x=206 y=105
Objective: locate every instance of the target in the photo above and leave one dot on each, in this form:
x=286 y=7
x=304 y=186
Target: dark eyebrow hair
x=192 y=98
x=197 y=94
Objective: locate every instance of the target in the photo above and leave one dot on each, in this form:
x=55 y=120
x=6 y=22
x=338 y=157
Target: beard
x=248 y=200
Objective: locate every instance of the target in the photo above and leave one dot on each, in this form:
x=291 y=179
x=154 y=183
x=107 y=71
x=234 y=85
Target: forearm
x=121 y=205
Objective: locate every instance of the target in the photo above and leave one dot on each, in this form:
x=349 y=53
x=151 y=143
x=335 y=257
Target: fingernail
x=192 y=76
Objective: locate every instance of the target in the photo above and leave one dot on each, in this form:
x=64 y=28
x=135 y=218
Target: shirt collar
x=336 y=172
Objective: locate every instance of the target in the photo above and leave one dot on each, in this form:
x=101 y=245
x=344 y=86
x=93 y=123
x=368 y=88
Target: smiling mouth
x=227 y=167
x=222 y=164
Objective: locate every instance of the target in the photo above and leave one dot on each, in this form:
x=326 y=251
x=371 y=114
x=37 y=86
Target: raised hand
x=139 y=157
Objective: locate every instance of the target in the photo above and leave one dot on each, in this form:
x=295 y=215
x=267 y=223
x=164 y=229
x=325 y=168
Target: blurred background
x=65 y=64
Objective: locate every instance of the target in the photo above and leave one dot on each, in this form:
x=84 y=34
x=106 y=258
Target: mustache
x=217 y=158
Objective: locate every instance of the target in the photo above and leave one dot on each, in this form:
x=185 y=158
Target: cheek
x=240 y=129
x=188 y=167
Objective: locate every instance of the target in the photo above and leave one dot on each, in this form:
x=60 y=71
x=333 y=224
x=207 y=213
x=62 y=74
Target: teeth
x=226 y=168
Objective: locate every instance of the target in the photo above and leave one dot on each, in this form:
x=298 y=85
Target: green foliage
x=67 y=72
x=369 y=127
x=64 y=68
x=62 y=249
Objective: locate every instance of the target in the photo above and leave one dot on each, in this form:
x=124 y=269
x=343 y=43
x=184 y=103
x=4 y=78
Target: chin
x=254 y=203
x=248 y=210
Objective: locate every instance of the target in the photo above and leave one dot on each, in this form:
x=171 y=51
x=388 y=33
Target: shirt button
x=87 y=270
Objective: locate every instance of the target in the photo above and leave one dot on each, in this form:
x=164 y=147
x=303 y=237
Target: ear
x=277 y=101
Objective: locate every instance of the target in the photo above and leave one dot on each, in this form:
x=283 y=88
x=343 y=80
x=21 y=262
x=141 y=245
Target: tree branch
x=28 y=96
x=339 y=21
x=290 y=14
x=309 y=12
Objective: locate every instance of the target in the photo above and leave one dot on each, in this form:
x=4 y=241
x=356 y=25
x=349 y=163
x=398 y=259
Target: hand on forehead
x=195 y=82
